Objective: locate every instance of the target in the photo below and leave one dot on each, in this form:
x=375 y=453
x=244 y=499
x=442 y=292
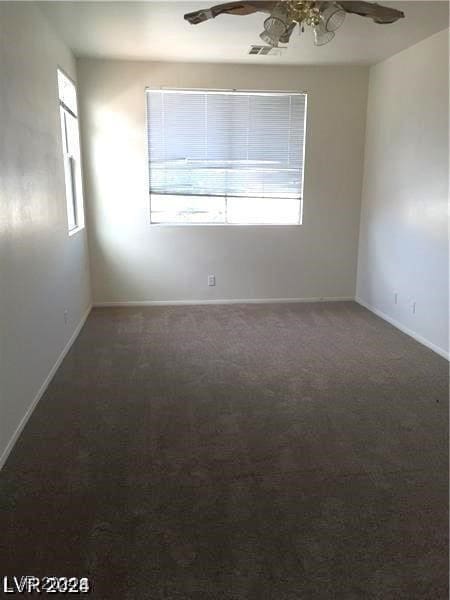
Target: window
x=226 y=157
x=71 y=152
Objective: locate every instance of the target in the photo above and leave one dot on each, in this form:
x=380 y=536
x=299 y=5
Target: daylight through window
x=219 y=157
x=71 y=152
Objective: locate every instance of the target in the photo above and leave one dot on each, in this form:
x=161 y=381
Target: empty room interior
x=224 y=300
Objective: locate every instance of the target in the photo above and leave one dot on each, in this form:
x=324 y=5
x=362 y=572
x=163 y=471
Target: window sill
x=262 y=225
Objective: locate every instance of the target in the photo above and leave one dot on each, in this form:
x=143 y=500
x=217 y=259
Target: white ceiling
x=157 y=31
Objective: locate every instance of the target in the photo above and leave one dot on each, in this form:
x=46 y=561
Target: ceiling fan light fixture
x=267 y=39
x=276 y=25
x=332 y=16
x=323 y=16
x=321 y=35
x=284 y=39
x=274 y=29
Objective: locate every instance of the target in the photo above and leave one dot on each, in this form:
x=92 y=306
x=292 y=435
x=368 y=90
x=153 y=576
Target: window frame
x=149 y=89
x=76 y=199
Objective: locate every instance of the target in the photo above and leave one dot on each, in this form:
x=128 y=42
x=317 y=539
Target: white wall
x=42 y=270
x=132 y=261
x=403 y=246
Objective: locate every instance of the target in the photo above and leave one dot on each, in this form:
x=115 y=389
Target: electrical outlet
x=66 y=316
x=211 y=280
x=395 y=297
x=412 y=307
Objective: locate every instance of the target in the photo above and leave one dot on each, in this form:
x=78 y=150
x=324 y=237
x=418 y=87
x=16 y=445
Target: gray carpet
x=259 y=452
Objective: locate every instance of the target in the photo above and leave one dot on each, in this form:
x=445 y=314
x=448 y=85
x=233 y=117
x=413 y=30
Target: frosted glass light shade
x=332 y=17
x=274 y=28
x=321 y=35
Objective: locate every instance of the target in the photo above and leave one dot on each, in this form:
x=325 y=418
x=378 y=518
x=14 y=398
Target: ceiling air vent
x=264 y=50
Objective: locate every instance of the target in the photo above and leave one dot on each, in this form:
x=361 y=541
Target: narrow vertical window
x=71 y=152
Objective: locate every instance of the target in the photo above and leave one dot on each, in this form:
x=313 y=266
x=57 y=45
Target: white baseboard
x=6 y=452
x=131 y=303
x=404 y=329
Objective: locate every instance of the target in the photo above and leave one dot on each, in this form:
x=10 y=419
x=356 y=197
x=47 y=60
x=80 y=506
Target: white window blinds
x=226 y=157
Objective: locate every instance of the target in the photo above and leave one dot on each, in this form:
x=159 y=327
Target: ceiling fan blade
x=376 y=12
x=231 y=8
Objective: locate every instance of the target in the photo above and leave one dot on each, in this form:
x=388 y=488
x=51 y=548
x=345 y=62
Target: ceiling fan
x=324 y=17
